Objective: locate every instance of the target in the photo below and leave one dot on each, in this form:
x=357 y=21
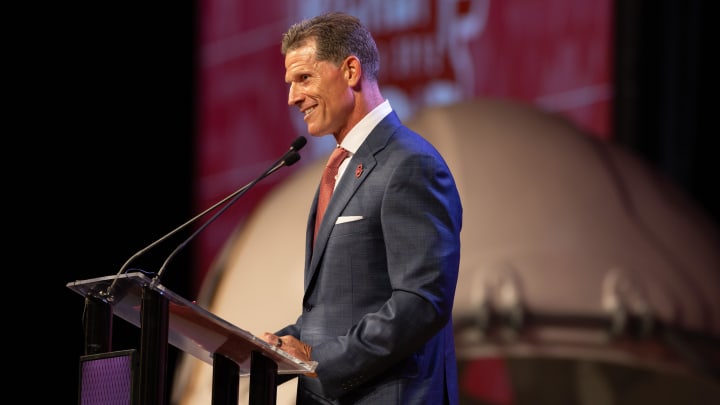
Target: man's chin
x=315 y=132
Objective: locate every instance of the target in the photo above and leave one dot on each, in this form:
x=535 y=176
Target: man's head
x=331 y=65
x=337 y=36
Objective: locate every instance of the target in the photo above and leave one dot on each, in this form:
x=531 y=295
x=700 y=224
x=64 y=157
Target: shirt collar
x=359 y=132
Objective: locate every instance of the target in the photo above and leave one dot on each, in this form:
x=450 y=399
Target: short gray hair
x=337 y=35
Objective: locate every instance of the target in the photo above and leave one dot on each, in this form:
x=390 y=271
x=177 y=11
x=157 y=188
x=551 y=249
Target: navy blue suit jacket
x=380 y=280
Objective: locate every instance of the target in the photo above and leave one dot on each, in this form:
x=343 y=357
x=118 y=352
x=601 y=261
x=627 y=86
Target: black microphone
x=298 y=144
x=288 y=159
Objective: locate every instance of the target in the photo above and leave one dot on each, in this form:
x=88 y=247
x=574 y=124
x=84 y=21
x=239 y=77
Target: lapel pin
x=358 y=170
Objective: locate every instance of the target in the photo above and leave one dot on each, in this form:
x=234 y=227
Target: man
x=381 y=273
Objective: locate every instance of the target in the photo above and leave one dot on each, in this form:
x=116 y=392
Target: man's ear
x=352 y=70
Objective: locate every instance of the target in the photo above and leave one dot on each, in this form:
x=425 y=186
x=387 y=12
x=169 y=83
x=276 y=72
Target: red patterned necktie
x=327 y=183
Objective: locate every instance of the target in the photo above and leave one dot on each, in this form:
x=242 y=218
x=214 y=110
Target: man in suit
x=381 y=273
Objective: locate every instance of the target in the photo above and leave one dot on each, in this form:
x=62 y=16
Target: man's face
x=319 y=89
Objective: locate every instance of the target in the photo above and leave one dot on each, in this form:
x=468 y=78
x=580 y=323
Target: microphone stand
x=293 y=157
x=289 y=158
x=155 y=316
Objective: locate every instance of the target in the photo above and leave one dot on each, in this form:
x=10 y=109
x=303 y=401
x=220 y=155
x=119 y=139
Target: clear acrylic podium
x=166 y=318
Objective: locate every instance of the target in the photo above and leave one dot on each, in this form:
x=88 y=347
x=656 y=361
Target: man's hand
x=290 y=344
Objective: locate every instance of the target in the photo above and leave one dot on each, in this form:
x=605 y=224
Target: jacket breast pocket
x=355 y=225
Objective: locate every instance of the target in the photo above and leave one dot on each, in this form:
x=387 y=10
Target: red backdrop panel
x=555 y=54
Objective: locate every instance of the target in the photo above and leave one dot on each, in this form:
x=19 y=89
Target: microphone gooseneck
x=292 y=157
x=289 y=158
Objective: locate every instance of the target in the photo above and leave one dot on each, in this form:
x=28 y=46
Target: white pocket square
x=351 y=218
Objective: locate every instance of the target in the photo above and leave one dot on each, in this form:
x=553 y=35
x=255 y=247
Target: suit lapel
x=358 y=169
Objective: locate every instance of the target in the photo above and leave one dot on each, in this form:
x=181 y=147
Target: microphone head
x=298 y=144
x=292 y=158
